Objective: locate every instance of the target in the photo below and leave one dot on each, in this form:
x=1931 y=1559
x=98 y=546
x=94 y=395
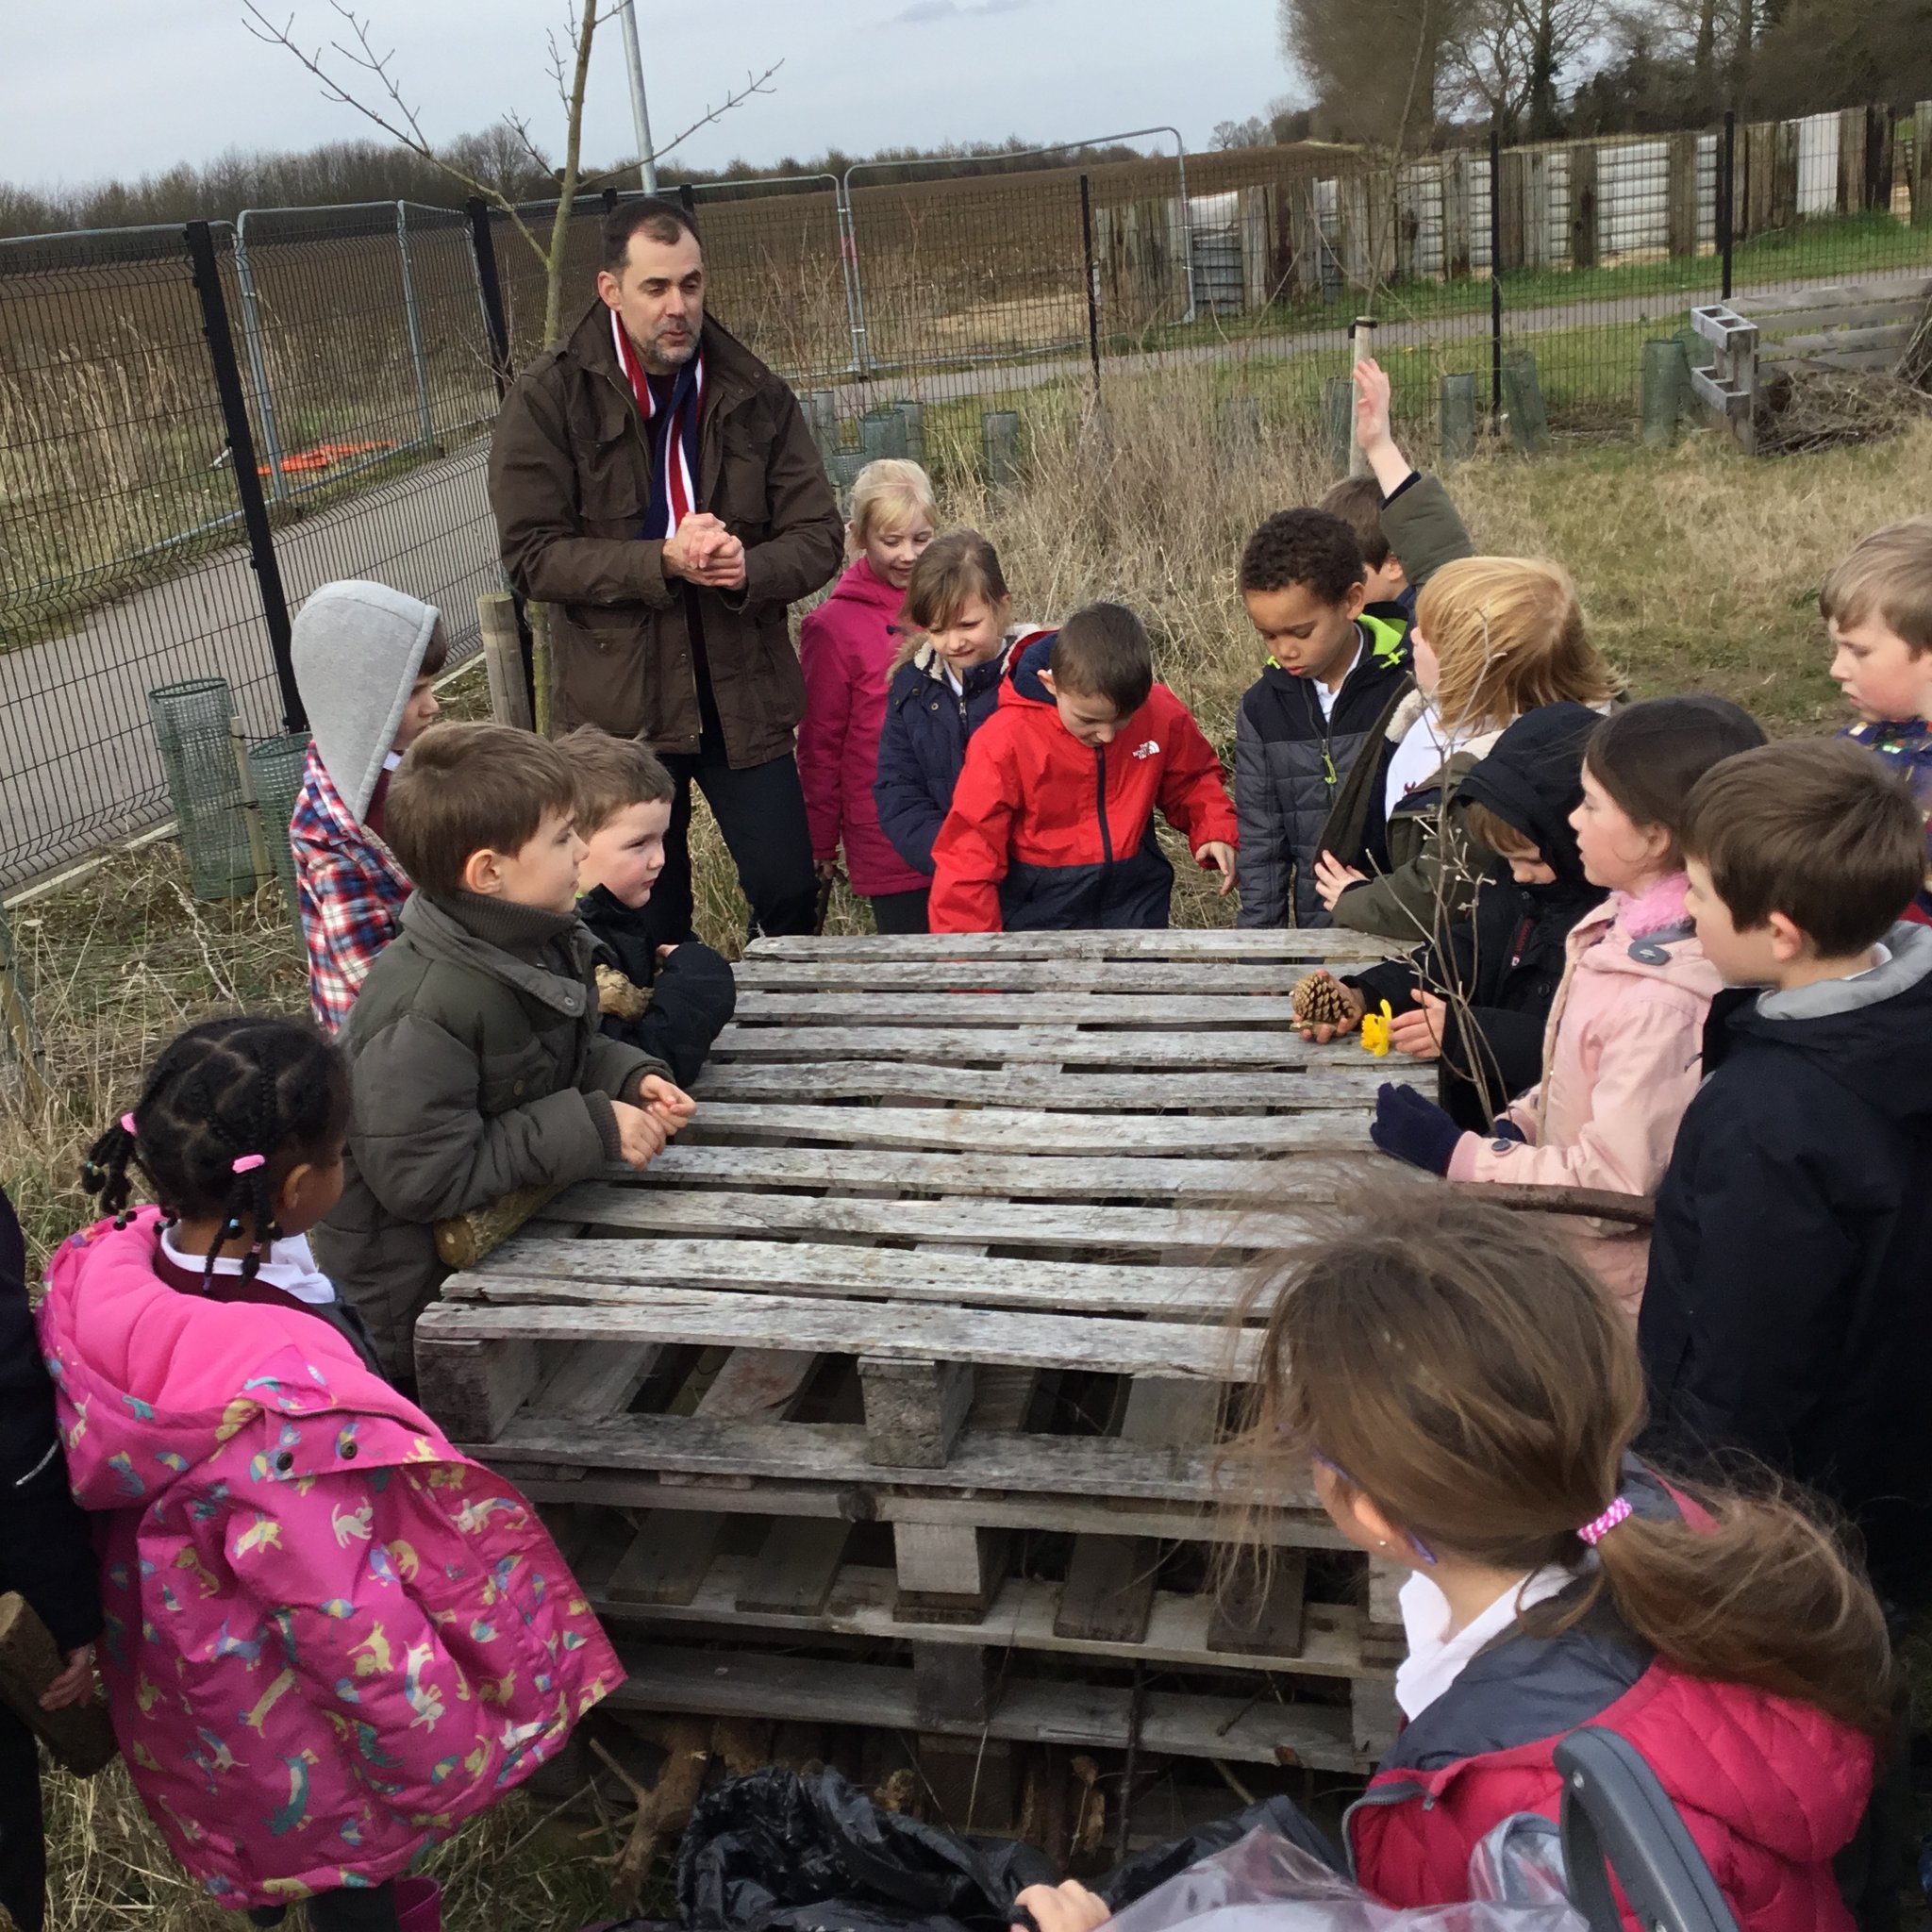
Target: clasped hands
x=703 y=552
x=642 y=1129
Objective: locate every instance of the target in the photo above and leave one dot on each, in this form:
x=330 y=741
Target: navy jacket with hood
x=1788 y=1311
x=1506 y=959
x=923 y=743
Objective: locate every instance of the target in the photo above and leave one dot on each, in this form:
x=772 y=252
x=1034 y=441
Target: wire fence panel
x=1542 y=289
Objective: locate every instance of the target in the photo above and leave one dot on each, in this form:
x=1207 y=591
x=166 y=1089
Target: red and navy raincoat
x=1048 y=834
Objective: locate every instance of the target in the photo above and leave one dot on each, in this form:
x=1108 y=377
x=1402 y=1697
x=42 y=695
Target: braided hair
x=231 y=1108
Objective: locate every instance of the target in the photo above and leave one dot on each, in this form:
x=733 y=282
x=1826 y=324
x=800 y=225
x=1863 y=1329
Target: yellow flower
x=1376 y=1031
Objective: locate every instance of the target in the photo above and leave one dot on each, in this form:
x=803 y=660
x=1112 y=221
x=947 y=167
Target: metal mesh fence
x=1528 y=289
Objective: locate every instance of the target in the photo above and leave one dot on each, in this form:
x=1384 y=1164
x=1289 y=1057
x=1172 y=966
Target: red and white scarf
x=674 y=447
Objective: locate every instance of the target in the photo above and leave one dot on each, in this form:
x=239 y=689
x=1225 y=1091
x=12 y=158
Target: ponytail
x=1456 y=1365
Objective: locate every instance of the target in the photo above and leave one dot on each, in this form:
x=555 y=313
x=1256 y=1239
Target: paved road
x=79 y=766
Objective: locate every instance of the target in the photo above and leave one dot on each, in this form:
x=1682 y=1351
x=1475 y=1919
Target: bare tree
x=1376 y=79
x=1506 y=57
x=350 y=64
x=1253 y=132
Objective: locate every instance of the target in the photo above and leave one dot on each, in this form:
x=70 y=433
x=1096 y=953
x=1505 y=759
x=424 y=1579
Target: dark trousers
x=23 y=1846
x=762 y=812
x=901 y=911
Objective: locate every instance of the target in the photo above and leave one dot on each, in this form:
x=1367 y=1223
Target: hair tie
x=127 y=1127
x=247 y=1163
x=1594 y=1532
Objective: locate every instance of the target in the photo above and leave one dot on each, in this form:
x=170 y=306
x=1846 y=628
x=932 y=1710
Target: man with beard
x=657 y=485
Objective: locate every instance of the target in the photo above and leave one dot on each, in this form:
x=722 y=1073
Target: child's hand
x=1324 y=1031
x=669 y=1103
x=1220 y=854
x=1065 y=1907
x=1333 y=878
x=641 y=1135
x=827 y=869
x=1419 y=1034
x=1372 y=390
x=665 y=952
x=76 y=1684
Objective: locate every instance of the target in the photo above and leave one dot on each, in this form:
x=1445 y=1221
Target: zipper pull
x=1329 y=774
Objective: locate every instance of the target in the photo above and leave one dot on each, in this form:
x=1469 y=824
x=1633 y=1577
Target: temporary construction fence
x=199 y=426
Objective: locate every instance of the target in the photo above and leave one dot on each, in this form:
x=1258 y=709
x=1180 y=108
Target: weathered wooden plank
x=899 y=1331
x=473 y=1386
x=668 y=1560
x=866 y=1007
x=914 y=1407
x=594 y=1379
x=1073 y=1178
x=1221 y=942
x=881 y=1498
x=1021 y=1617
x=1199 y=1137
x=598 y=1272
x=834 y=1453
x=1143 y=978
x=1060 y=1225
x=794 y=1569
x=1262 y=1616
x=811 y=1691
x=1066 y=1046
x=1346 y=1086
x=1773 y=306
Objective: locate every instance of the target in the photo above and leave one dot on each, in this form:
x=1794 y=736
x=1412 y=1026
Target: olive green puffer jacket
x=476 y=1068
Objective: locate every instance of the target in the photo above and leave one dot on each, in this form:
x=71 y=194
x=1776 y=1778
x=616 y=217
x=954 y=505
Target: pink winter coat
x=845 y=648
x=329 y=1637
x=1622 y=1060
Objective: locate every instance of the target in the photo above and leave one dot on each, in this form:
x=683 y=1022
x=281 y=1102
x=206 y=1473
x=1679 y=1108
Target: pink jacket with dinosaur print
x=329 y=1637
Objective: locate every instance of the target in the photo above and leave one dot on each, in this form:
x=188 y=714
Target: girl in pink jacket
x=1553 y=1582
x=328 y=1637
x=845 y=649
x=1623 y=1051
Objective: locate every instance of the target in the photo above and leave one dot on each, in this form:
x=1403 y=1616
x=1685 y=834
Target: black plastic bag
x=775 y=1852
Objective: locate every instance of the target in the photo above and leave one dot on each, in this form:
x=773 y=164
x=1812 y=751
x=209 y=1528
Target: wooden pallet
x=894 y=1385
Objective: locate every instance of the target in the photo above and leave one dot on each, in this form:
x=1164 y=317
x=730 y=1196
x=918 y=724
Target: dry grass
x=1698 y=571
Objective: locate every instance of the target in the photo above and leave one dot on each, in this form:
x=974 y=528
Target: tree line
x=351 y=171
x=1423 y=73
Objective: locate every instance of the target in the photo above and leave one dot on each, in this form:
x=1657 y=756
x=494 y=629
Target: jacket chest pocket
x=613 y=481
x=516 y=1080
x=743 y=469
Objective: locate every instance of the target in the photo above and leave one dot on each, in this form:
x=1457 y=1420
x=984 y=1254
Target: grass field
x=1698 y=571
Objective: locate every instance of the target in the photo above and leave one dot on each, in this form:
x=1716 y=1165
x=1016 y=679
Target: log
x=463 y=1240
x=79 y=1737
x=1600 y=1204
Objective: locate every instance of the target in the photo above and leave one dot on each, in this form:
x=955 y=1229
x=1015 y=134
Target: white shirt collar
x=289 y=1265
x=1435 y=1659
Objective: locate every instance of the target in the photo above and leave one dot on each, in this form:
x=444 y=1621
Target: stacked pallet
x=895 y=1392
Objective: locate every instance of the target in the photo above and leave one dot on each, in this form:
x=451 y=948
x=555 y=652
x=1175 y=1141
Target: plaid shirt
x=351 y=888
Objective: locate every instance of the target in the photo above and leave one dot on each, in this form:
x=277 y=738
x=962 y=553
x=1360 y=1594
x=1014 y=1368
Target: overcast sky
x=98 y=88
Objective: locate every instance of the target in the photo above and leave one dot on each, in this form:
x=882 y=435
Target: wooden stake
x=503 y=659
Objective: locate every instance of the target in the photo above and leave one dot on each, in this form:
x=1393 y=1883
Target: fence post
x=1495 y=272
x=1362 y=348
x=19 y=1043
x=261 y=546
x=1583 y=204
x=503 y=660
x=1922 y=165
x=424 y=416
x=1092 y=281
x=489 y=291
x=1727 y=196
x=258 y=360
x=848 y=247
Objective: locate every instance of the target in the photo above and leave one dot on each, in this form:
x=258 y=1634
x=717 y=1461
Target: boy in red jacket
x=1052 y=823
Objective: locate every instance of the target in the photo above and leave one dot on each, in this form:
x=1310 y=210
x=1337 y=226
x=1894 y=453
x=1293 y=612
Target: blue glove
x=1503 y=1128
x=1413 y=1129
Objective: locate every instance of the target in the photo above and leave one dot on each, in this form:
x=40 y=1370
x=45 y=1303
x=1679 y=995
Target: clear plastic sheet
x=1264 y=1884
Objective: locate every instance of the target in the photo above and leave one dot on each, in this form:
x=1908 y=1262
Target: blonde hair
x=1509 y=634
x=1458 y=1367
x=886 y=495
x=1887 y=575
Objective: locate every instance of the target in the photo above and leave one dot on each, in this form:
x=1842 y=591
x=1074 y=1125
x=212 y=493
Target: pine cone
x=617 y=995
x=1321 y=1000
